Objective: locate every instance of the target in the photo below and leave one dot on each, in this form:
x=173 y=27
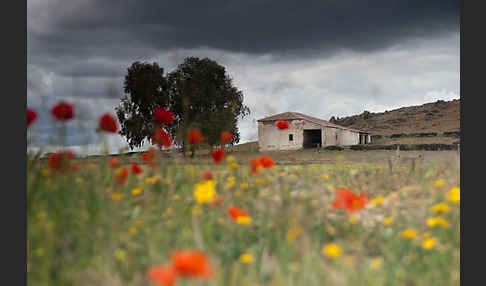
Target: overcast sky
x=323 y=58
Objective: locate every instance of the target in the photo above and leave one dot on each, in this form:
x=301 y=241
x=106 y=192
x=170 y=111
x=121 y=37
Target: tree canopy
x=199 y=92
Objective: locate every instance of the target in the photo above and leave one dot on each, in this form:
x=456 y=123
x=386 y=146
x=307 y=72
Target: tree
x=147 y=88
x=202 y=96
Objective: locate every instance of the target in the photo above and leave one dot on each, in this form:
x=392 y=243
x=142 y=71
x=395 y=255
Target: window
x=291 y=137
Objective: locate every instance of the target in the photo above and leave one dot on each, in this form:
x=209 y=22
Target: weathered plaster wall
x=272 y=138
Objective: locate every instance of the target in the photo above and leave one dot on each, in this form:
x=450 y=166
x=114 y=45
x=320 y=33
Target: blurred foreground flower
x=331 y=250
x=282 y=124
x=239 y=215
x=429 y=243
x=62 y=111
x=163 y=116
x=161 y=138
x=433 y=221
x=346 y=199
x=454 y=195
x=218 y=155
x=409 y=233
x=113 y=163
x=246 y=258
x=121 y=176
x=136 y=168
x=440 y=208
x=204 y=192
x=108 y=123
x=31 y=116
x=195 y=136
x=163 y=275
x=226 y=137
x=191 y=263
x=60 y=161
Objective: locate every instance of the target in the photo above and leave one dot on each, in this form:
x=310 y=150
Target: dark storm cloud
x=113 y=28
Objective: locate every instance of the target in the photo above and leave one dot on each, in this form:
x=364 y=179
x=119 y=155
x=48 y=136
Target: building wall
x=272 y=138
x=347 y=137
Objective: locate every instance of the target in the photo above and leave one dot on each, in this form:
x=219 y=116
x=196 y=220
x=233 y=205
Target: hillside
x=436 y=117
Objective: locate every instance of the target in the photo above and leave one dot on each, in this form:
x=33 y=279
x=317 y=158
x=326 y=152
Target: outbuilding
x=305 y=132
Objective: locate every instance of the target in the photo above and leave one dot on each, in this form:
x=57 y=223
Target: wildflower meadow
x=233 y=219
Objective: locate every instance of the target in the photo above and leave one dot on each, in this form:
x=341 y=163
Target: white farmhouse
x=305 y=132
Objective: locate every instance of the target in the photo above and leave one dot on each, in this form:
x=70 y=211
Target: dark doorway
x=312 y=138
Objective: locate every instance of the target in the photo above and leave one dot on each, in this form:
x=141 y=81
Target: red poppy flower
x=163 y=116
x=63 y=111
x=31 y=116
x=163 y=275
x=113 y=163
x=149 y=156
x=218 y=155
x=136 y=168
x=195 y=136
x=108 y=123
x=282 y=124
x=266 y=162
x=161 y=138
x=207 y=176
x=59 y=161
x=255 y=165
x=235 y=212
x=121 y=176
x=191 y=263
x=346 y=199
x=226 y=137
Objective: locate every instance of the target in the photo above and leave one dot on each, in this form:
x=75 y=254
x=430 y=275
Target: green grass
x=78 y=234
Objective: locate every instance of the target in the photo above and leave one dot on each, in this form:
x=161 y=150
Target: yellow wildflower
x=259 y=181
x=387 y=221
x=246 y=220
x=409 y=233
x=454 y=195
x=325 y=176
x=176 y=197
x=246 y=258
x=230 y=159
x=138 y=223
x=46 y=172
x=377 y=201
x=166 y=182
x=293 y=233
x=120 y=254
x=233 y=165
x=244 y=186
x=136 y=191
x=440 y=208
x=429 y=243
x=204 y=192
x=439 y=183
x=116 y=196
x=331 y=250
x=132 y=230
x=438 y=220
x=152 y=180
x=353 y=218
x=230 y=182
x=375 y=263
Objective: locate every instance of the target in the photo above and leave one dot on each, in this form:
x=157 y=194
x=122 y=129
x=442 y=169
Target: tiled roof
x=296 y=115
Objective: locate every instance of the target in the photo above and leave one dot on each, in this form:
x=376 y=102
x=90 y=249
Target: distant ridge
x=440 y=116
